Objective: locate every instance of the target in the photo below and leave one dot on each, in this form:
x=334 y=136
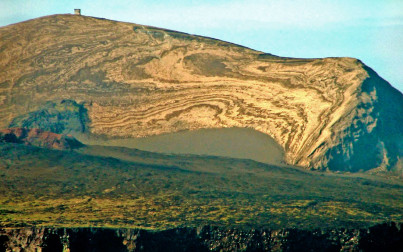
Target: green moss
x=72 y=189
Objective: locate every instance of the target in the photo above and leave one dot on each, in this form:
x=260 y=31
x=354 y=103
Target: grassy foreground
x=119 y=187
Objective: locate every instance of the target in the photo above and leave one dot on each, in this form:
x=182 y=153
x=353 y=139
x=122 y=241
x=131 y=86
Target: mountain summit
x=129 y=80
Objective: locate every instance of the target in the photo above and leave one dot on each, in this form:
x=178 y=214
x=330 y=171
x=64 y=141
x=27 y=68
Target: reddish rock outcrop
x=37 y=137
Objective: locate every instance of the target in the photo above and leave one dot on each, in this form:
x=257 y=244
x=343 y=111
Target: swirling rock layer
x=137 y=81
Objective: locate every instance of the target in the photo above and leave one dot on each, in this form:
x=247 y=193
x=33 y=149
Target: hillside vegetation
x=96 y=186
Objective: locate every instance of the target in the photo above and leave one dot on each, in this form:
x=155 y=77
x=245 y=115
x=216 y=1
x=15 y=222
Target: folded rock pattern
x=138 y=81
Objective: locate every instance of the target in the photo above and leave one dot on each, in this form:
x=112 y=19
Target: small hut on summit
x=77 y=11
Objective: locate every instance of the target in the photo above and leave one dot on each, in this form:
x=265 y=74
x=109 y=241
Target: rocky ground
x=37 y=137
x=384 y=237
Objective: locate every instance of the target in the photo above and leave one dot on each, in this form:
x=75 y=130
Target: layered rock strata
x=137 y=81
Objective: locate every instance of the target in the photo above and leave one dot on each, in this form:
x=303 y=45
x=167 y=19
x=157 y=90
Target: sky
x=370 y=30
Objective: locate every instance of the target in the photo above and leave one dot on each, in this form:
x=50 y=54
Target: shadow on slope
x=374 y=141
x=240 y=143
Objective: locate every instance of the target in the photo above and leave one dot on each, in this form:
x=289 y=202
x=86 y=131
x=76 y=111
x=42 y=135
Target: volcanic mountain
x=76 y=74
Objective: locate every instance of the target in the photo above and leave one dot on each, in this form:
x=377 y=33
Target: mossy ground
x=44 y=187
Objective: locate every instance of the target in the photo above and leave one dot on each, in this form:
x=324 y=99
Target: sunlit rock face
x=137 y=81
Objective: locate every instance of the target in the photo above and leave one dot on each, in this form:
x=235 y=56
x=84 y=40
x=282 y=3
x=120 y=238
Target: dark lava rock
x=66 y=116
x=382 y=237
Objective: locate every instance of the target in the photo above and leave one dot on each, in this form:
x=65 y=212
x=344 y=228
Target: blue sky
x=370 y=30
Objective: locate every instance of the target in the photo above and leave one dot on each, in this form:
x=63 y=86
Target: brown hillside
x=135 y=81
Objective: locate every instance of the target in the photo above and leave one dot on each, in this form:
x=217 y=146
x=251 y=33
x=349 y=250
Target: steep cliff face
x=136 y=81
x=385 y=237
x=369 y=134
